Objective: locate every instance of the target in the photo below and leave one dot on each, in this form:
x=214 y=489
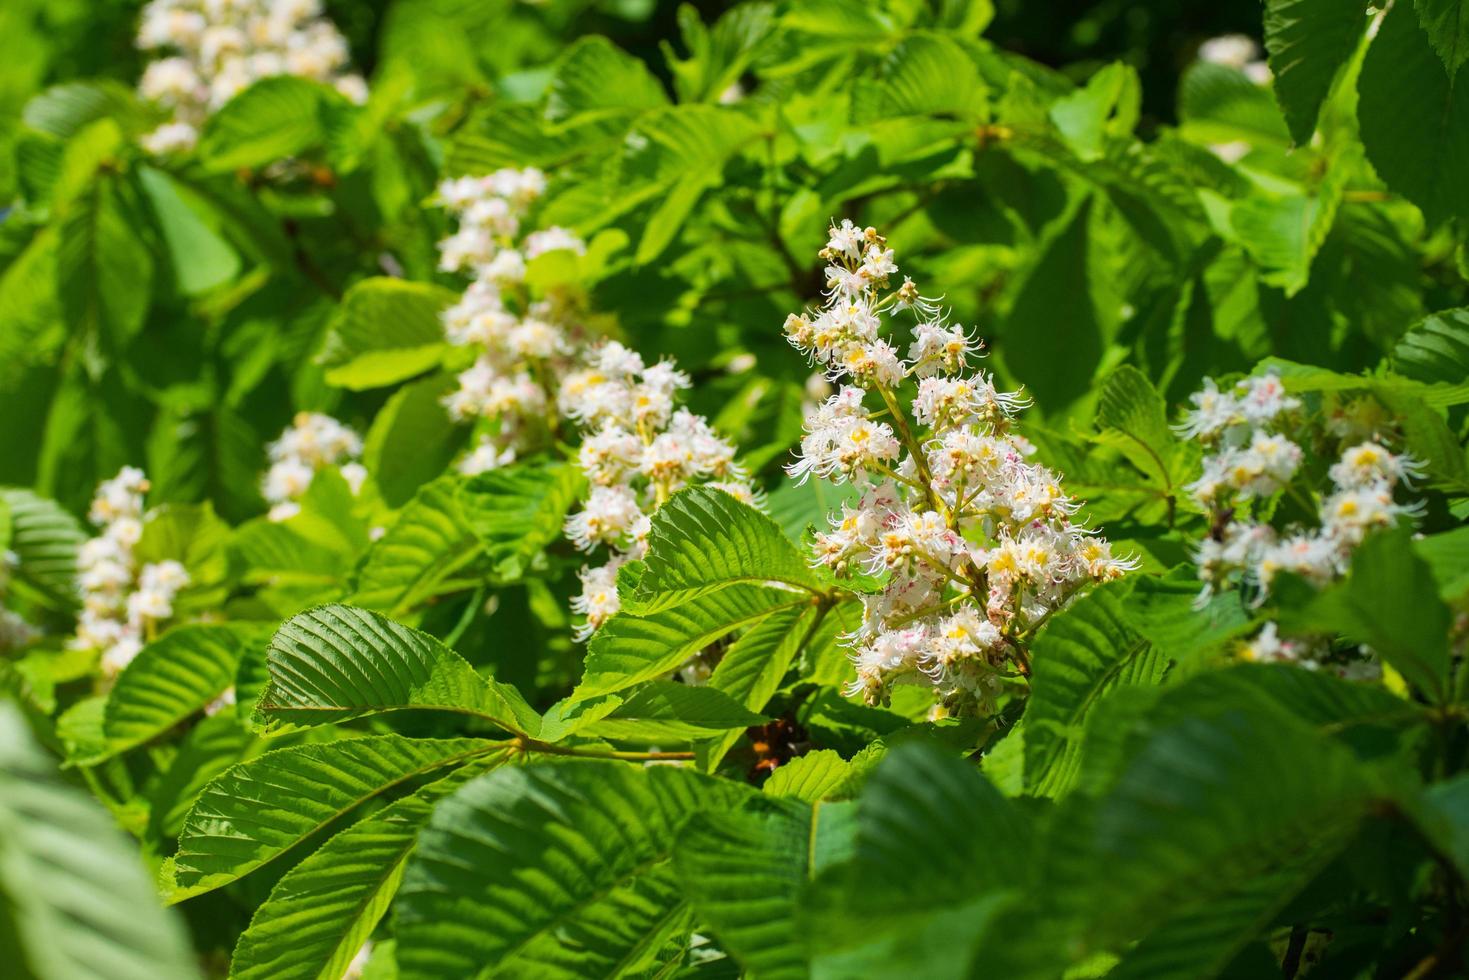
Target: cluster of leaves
x=420 y=758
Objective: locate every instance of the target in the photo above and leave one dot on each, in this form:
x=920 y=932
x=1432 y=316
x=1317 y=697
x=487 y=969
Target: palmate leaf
x=518 y=510
x=1087 y=650
x=703 y=540
x=1308 y=41
x=75 y=900
x=552 y=870
x=174 y=677
x=45 y=538
x=630 y=648
x=321 y=911
x=337 y=662
x=258 y=810
x=385 y=331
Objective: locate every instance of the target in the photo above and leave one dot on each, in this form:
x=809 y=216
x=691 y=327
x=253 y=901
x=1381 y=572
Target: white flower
x=598 y=600
x=1230 y=50
x=846 y=239
x=606 y=518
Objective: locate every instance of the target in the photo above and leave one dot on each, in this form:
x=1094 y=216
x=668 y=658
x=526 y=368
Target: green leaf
x=1435 y=351
x=104 y=270
x=926 y=74
x=703 y=540
x=917 y=871
x=430 y=541
x=1446 y=23
x=46 y=539
x=385 y=331
x=1085 y=118
x=717 y=55
x=593 y=77
x=667 y=145
x=173 y=678
x=201 y=258
x=322 y=910
x=337 y=662
x=273 y=119
x=1447 y=554
x=411 y=439
x=1134 y=420
x=1390 y=602
x=64 y=110
x=663 y=711
x=550 y=870
x=755 y=663
x=743 y=871
x=1308 y=41
x=631 y=648
x=75 y=900
x=258 y=810
x=1086 y=651
x=816 y=776
x=1187 y=821
x=519 y=510
x=1057 y=308
x=1219 y=104
x=1414 y=122
x=1202 y=942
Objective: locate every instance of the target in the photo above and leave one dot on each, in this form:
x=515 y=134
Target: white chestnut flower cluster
x=1246 y=464
x=310 y=443
x=524 y=342
x=123 y=605
x=637 y=449
x=15 y=632
x=969 y=544
x=213 y=49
